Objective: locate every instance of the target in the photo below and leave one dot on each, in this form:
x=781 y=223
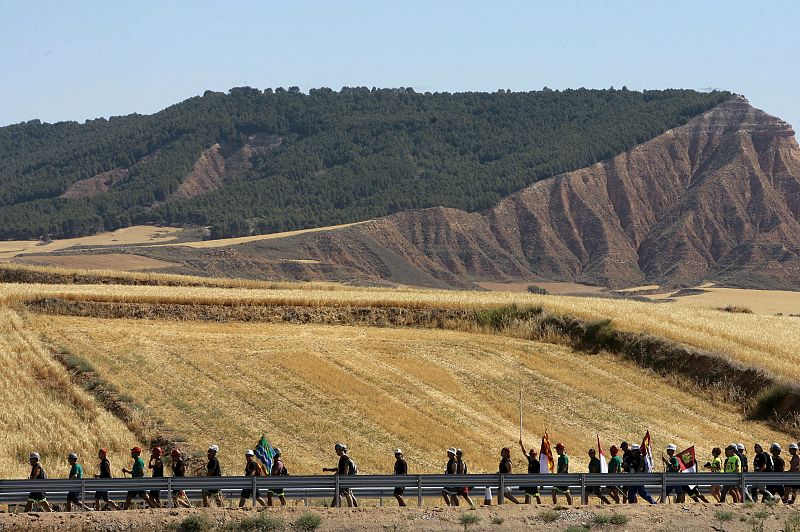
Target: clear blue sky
x=73 y=60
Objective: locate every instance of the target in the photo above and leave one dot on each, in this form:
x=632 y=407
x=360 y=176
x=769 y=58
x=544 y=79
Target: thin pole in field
x=520 y=414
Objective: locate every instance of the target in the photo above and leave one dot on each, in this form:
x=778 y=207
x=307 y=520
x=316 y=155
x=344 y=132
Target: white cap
x=451 y=450
x=775 y=447
x=671 y=447
x=739 y=446
x=72 y=456
x=214 y=448
x=792 y=446
x=398 y=451
x=249 y=452
x=635 y=447
x=34 y=456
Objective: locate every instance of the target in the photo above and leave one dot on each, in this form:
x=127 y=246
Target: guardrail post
x=501 y=496
x=743 y=486
x=255 y=494
x=419 y=490
x=336 y=497
x=584 y=497
x=663 y=488
x=83 y=491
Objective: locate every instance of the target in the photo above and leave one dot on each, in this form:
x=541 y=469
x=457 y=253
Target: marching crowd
x=625 y=458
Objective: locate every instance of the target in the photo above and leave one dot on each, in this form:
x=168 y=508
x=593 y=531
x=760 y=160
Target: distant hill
x=254 y=162
x=715 y=199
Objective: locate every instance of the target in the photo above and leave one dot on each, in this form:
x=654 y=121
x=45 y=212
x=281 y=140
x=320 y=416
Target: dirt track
x=509 y=517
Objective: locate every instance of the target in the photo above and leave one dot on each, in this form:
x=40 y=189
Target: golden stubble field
x=759 y=340
x=44 y=411
x=307 y=387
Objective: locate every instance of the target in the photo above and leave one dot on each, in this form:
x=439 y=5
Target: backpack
x=352 y=468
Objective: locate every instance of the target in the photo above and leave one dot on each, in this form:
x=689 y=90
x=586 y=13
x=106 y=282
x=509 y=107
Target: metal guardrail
x=376 y=486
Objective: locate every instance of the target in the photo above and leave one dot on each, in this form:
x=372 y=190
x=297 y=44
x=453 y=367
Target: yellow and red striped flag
x=546 y=452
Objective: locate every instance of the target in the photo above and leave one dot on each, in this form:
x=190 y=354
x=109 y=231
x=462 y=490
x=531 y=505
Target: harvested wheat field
x=309 y=386
x=45 y=412
x=758 y=301
x=137 y=234
x=106 y=261
x=758 y=340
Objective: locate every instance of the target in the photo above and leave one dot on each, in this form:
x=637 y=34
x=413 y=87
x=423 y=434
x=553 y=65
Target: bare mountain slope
x=717 y=198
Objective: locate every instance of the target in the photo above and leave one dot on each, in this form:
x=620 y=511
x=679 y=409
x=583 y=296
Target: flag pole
x=520 y=414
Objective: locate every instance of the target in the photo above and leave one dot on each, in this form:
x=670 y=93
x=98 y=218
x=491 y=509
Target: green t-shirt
x=563 y=464
x=716 y=465
x=76 y=471
x=138 y=467
x=615 y=465
x=673 y=466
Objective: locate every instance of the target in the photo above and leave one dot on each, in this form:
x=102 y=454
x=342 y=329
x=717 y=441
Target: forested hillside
x=251 y=162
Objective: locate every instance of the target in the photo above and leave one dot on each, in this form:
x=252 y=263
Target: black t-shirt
x=344 y=465
x=452 y=467
x=533 y=466
x=178 y=468
x=778 y=464
x=252 y=469
x=636 y=464
x=400 y=467
x=743 y=459
x=627 y=456
x=505 y=466
x=213 y=468
x=760 y=460
x=105 y=468
x=158 y=468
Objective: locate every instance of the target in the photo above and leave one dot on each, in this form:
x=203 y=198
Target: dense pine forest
x=330 y=157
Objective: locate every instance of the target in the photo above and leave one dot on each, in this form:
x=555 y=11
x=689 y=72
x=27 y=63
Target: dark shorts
x=277 y=493
x=399 y=491
x=73 y=496
x=37 y=496
x=463 y=490
x=211 y=493
x=134 y=494
x=101 y=495
x=178 y=493
x=530 y=490
x=248 y=493
x=155 y=494
x=561 y=489
x=776 y=490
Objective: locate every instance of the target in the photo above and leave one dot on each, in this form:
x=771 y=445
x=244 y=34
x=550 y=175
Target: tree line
x=344 y=156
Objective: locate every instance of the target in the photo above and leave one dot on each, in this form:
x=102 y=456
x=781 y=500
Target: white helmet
x=34 y=456
x=775 y=447
x=792 y=446
x=249 y=452
x=214 y=448
x=671 y=447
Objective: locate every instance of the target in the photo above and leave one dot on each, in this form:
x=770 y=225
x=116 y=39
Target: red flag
x=546 y=452
x=603 y=463
x=687 y=460
x=647 y=453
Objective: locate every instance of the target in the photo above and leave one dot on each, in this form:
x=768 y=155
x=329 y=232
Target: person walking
x=105 y=472
x=251 y=469
x=400 y=468
x=595 y=468
x=741 y=452
x=213 y=469
x=137 y=471
x=461 y=469
x=505 y=469
x=178 y=467
x=531 y=492
x=156 y=466
x=75 y=473
x=715 y=466
x=778 y=466
x=37 y=473
x=732 y=464
x=278 y=470
x=794 y=467
x=637 y=465
x=615 y=468
x=762 y=463
x=450 y=493
x=562 y=468
x=345 y=467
